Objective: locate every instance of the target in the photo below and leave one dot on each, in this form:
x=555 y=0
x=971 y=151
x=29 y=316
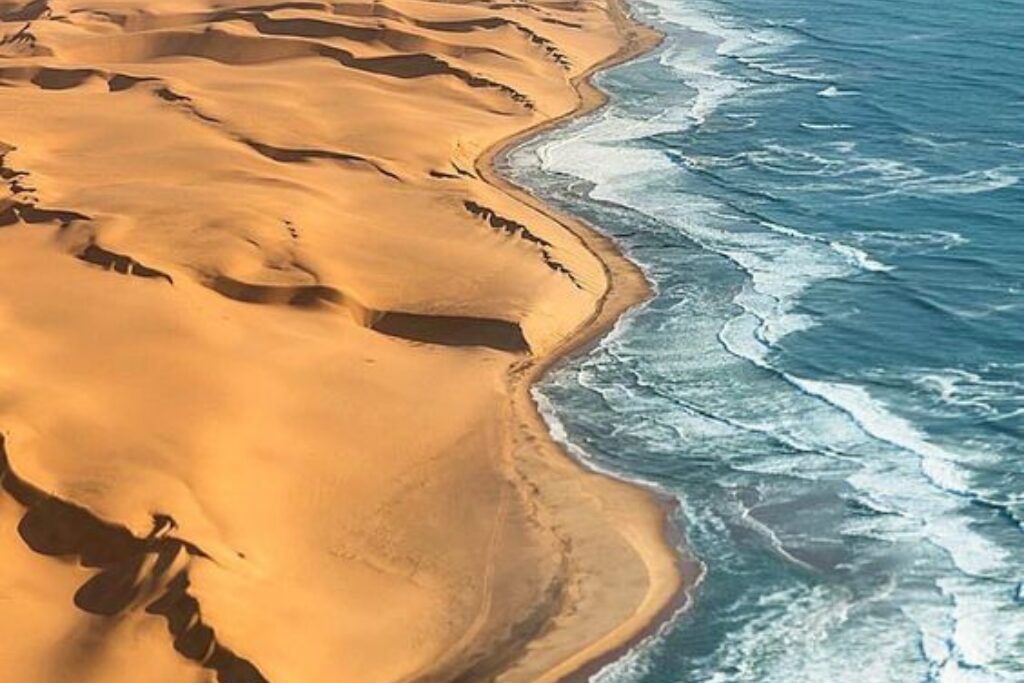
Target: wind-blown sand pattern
x=267 y=328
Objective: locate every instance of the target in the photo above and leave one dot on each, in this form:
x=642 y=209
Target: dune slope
x=267 y=325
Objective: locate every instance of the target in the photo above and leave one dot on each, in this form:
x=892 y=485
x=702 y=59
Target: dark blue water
x=828 y=198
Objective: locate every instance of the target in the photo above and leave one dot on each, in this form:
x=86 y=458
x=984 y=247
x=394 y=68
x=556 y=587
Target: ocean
x=827 y=198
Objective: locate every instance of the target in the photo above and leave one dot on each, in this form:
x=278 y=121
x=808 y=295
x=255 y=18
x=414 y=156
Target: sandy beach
x=268 y=325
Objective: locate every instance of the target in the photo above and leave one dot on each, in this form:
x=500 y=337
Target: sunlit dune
x=267 y=327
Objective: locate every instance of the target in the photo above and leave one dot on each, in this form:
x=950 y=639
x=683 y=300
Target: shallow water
x=828 y=199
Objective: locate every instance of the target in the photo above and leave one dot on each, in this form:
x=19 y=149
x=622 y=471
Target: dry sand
x=267 y=328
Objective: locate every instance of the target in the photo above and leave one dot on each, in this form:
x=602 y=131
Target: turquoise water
x=828 y=199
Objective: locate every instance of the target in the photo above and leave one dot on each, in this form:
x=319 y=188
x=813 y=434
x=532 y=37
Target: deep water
x=828 y=199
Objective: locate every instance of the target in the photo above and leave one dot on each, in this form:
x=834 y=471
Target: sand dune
x=267 y=326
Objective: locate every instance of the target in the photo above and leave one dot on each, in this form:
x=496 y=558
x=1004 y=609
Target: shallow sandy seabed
x=267 y=327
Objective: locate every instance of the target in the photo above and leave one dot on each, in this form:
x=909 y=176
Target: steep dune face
x=258 y=311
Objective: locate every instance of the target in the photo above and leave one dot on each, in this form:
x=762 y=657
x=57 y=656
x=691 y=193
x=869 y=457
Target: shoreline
x=316 y=302
x=627 y=288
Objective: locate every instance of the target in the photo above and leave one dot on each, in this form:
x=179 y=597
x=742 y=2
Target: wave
x=935 y=512
x=939 y=464
x=942 y=240
x=710 y=87
x=970 y=182
x=781 y=70
x=791 y=629
x=973 y=553
x=871 y=177
x=976 y=642
x=730 y=39
x=773 y=539
x=860 y=257
x=966 y=391
x=854 y=255
x=825 y=126
x=833 y=91
x=699 y=67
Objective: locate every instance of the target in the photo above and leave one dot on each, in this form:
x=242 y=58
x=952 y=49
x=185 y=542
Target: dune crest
x=267 y=328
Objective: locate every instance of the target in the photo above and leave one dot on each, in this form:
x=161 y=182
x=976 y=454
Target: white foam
x=942 y=239
x=699 y=68
x=978 y=640
x=935 y=144
x=632 y=666
x=857 y=256
x=740 y=337
x=971 y=182
x=945 y=384
x=712 y=91
x=825 y=126
x=833 y=91
x=791 y=630
x=698 y=71
x=731 y=40
x=773 y=540
x=938 y=508
x=876 y=176
x=860 y=257
x=633 y=166
x=881 y=424
x=781 y=70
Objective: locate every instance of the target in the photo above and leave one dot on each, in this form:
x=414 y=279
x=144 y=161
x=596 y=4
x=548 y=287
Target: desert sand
x=268 y=323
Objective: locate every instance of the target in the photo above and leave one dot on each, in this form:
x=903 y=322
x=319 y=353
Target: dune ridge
x=296 y=442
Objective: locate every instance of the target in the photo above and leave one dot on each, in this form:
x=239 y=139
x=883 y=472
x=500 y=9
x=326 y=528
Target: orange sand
x=267 y=327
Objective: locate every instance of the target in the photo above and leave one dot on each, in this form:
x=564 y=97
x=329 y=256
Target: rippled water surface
x=828 y=198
